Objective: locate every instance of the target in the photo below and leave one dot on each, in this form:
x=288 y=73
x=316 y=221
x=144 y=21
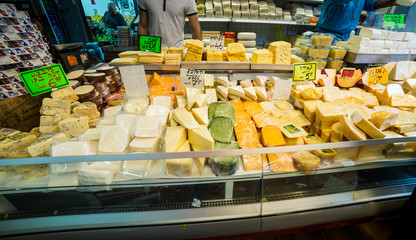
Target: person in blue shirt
x=340 y=17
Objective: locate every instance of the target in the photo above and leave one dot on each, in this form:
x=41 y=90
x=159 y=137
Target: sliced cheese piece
x=384 y=119
x=175 y=138
x=261 y=93
x=201 y=101
x=192 y=95
x=402 y=100
x=250 y=92
x=349 y=130
x=148 y=145
x=185 y=118
x=114 y=139
x=201 y=115
x=367 y=126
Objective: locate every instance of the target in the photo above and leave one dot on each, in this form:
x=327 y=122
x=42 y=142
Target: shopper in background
x=340 y=17
x=166 y=19
x=112 y=18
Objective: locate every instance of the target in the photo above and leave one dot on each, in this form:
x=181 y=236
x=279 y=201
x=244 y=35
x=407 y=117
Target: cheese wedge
x=211 y=95
x=237 y=91
x=201 y=115
x=349 y=130
x=192 y=95
x=250 y=92
x=175 y=138
x=384 y=119
x=201 y=138
x=222 y=91
x=260 y=81
x=223 y=81
x=184 y=118
x=367 y=126
x=309 y=108
x=209 y=80
x=409 y=84
x=182 y=166
x=261 y=93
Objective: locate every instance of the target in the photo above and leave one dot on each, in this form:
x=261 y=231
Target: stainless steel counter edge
x=200 y=154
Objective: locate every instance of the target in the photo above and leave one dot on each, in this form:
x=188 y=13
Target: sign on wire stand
x=193 y=78
x=304 y=71
x=150 y=44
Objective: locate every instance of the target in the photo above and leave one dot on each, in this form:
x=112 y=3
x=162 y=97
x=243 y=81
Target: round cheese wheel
x=90 y=71
x=85 y=92
x=95 y=77
x=77 y=75
x=117 y=80
x=97 y=99
x=105 y=93
x=74 y=83
x=246 y=36
x=248 y=44
x=100 y=86
x=109 y=71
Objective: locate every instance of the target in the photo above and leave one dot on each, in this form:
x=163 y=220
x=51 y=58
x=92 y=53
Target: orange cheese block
x=271 y=136
x=281 y=162
x=168 y=80
x=262 y=119
x=252 y=107
x=155 y=80
x=238 y=105
x=255 y=162
x=246 y=133
x=242 y=116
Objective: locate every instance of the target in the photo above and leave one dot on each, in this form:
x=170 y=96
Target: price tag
x=394 y=20
x=193 y=78
x=377 y=75
x=304 y=71
x=150 y=43
x=282 y=89
x=44 y=79
x=216 y=43
x=134 y=79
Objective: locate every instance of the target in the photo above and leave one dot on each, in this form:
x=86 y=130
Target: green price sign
x=44 y=79
x=394 y=20
x=150 y=43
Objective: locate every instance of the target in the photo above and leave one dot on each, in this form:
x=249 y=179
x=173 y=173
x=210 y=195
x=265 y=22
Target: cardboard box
x=21 y=112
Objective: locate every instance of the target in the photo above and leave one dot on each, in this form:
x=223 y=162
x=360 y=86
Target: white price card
x=282 y=89
x=216 y=43
x=134 y=79
x=193 y=78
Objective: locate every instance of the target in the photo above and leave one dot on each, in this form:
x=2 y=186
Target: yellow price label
x=304 y=71
x=377 y=75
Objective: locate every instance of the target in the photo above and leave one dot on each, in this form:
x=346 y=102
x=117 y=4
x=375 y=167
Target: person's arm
x=384 y=3
x=143 y=27
x=195 y=27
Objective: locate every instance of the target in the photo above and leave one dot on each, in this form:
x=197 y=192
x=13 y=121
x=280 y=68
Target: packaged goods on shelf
x=321 y=40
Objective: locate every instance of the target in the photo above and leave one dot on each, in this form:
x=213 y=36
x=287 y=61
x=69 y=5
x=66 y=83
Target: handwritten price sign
x=377 y=75
x=304 y=71
x=394 y=20
x=44 y=79
x=216 y=43
x=150 y=43
x=193 y=78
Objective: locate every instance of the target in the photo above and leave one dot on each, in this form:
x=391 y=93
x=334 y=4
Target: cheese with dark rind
x=85 y=92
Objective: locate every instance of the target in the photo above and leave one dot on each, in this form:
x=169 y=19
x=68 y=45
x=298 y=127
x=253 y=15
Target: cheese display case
x=185 y=164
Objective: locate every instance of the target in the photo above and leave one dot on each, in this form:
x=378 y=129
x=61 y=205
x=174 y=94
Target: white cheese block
x=148 y=145
x=201 y=138
x=182 y=166
x=134 y=169
x=211 y=95
x=376 y=43
x=209 y=80
x=402 y=45
x=392 y=51
x=249 y=43
x=158 y=111
x=357 y=48
x=91 y=134
x=358 y=40
x=388 y=44
x=175 y=138
x=383 y=34
x=148 y=126
x=185 y=118
x=165 y=101
x=113 y=139
x=400 y=71
x=393 y=36
x=97 y=173
x=70 y=148
x=246 y=36
x=370 y=33
x=128 y=121
x=201 y=101
x=111 y=111
x=192 y=94
x=181 y=101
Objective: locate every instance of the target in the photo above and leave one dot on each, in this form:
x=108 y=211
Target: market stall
x=211 y=139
